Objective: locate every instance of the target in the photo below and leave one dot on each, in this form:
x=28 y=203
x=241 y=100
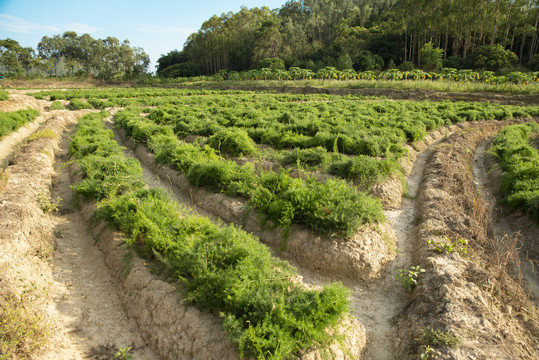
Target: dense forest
x=72 y=54
x=361 y=34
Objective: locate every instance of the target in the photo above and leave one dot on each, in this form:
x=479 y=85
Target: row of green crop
x=222 y=268
x=4 y=95
x=331 y=73
x=516 y=148
x=332 y=207
x=11 y=121
x=373 y=128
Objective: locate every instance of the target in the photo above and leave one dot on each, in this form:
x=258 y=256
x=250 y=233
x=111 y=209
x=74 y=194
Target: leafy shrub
x=233 y=141
x=271 y=63
x=491 y=57
x=4 y=95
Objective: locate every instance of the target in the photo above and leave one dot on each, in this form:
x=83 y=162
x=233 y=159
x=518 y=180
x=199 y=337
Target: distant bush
x=271 y=63
x=406 y=66
x=491 y=57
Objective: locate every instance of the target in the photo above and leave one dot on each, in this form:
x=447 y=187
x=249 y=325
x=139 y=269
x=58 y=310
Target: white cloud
x=15 y=24
x=152 y=29
x=81 y=28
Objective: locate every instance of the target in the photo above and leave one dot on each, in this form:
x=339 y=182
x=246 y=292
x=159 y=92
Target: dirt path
x=507 y=224
x=97 y=326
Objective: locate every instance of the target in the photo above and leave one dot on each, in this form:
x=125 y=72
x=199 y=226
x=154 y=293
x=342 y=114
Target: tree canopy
x=82 y=55
x=369 y=34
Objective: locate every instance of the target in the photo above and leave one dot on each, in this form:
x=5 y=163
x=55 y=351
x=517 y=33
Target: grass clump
x=4 y=95
x=365 y=171
x=11 y=121
x=43 y=134
x=222 y=268
x=57 y=105
x=515 y=151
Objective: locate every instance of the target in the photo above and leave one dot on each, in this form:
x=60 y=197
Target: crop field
x=284 y=225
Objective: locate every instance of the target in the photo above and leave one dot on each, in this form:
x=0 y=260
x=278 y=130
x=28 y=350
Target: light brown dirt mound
x=464 y=294
x=18 y=100
x=25 y=241
x=361 y=257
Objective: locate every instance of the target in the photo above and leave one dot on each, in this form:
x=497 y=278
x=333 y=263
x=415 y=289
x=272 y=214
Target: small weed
x=4 y=178
x=123 y=354
x=449 y=246
x=22 y=331
x=438 y=337
x=409 y=276
x=43 y=134
x=46 y=204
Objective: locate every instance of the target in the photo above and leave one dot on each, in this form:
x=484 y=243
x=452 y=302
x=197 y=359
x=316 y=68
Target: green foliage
x=223 y=269
x=333 y=207
x=56 y=105
x=271 y=63
x=431 y=57
x=365 y=171
x=22 y=331
x=533 y=64
x=11 y=121
x=78 y=104
x=491 y=57
x=233 y=141
x=4 y=95
x=409 y=277
x=514 y=149
x=406 y=66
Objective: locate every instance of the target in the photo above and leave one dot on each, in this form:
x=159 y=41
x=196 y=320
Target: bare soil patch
x=467 y=295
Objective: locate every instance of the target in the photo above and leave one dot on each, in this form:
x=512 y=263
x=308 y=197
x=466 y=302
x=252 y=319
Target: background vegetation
x=364 y=35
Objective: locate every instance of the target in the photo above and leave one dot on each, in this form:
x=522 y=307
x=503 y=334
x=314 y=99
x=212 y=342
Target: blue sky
x=158 y=26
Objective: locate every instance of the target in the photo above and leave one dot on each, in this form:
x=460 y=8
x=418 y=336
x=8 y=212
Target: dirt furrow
x=98 y=326
x=487 y=178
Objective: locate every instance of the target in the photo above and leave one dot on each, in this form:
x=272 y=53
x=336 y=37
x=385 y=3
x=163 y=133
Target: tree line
x=360 y=34
x=72 y=54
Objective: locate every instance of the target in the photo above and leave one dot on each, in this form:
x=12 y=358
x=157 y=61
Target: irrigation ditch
x=95 y=296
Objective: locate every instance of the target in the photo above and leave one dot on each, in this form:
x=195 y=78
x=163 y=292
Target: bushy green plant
x=491 y=57
x=4 y=95
x=365 y=171
x=233 y=141
x=409 y=277
x=431 y=57
x=56 y=105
